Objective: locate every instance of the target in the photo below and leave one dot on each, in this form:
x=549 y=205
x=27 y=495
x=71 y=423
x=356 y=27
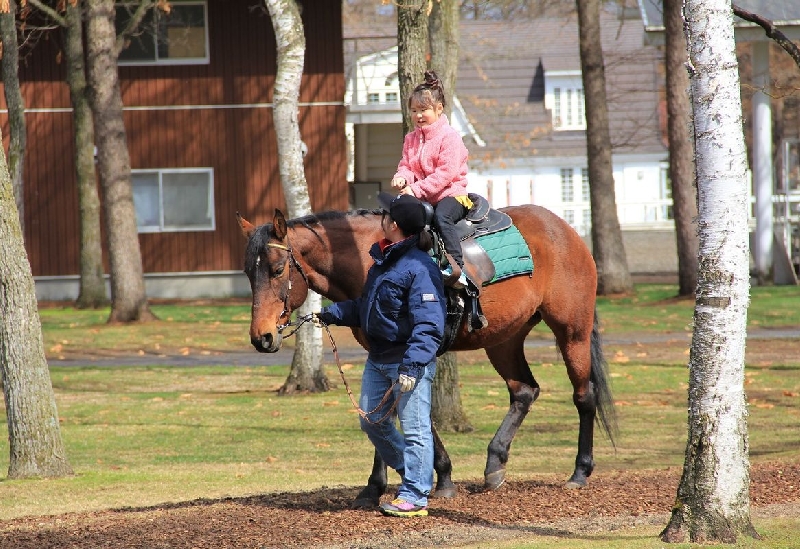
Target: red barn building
x=197 y=90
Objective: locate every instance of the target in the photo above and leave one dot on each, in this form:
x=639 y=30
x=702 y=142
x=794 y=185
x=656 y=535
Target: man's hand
x=321 y=318
x=399 y=182
x=406 y=383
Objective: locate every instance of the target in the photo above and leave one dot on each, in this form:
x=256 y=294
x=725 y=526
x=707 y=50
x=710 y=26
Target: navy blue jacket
x=402 y=308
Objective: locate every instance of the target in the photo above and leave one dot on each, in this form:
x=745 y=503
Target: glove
x=320 y=318
x=406 y=383
x=408 y=377
x=398 y=182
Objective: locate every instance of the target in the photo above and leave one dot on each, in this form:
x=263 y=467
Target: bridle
x=293 y=263
x=296 y=325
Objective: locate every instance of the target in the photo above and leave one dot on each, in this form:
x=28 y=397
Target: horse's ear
x=279 y=225
x=245 y=225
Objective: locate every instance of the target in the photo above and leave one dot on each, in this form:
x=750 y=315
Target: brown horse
x=328 y=253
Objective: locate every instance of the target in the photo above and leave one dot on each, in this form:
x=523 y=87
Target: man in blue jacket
x=402 y=314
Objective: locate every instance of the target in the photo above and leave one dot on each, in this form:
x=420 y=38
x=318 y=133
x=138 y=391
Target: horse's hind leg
x=509 y=361
x=577 y=357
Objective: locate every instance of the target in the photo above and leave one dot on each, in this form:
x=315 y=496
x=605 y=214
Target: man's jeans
x=412 y=451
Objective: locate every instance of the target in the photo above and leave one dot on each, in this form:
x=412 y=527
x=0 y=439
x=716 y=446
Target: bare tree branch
x=771 y=31
x=50 y=12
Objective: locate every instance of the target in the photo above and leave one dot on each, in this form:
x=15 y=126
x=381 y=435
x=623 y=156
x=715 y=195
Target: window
x=391 y=97
x=563 y=96
x=585 y=194
x=567 y=193
x=373 y=98
x=569 y=216
x=568 y=111
x=587 y=221
x=666 y=192
x=556 y=107
x=173 y=200
x=177 y=37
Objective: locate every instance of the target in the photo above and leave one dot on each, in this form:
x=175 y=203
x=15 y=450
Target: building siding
x=217 y=115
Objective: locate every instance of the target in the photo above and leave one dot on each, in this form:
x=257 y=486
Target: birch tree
x=34 y=435
x=306 y=373
x=613 y=276
x=713 y=500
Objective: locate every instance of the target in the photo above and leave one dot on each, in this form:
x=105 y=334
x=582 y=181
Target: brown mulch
x=322 y=518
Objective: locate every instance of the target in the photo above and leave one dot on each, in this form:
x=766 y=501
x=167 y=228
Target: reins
x=365 y=415
x=293 y=263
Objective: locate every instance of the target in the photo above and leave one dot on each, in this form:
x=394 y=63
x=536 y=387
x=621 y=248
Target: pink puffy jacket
x=434 y=162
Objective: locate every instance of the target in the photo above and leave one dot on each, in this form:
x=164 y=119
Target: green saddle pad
x=508 y=251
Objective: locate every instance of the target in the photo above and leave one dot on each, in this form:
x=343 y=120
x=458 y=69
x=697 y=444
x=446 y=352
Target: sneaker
x=402 y=508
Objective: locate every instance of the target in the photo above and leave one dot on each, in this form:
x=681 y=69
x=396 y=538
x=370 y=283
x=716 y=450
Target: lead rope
x=365 y=415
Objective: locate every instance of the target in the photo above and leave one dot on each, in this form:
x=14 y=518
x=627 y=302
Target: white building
x=519 y=106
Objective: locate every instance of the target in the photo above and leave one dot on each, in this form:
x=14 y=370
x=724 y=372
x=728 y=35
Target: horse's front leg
x=522 y=396
x=444 y=469
x=370 y=495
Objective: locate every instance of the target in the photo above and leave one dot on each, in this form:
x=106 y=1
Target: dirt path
x=322 y=518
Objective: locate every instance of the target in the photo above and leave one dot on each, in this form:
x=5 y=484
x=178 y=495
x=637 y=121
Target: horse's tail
x=606 y=413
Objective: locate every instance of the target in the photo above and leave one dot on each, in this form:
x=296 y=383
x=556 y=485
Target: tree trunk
x=307 y=373
x=34 y=434
x=681 y=151
x=443 y=32
x=713 y=501
x=92 y=283
x=128 y=297
x=447 y=410
x=412 y=51
x=613 y=276
x=16 y=106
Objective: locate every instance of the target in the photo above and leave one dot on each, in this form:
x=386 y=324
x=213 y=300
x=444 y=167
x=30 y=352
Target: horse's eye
x=279 y=270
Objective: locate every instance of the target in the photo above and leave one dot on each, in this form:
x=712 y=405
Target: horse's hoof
x=493 y=481
x=365 y=504
x=573 y=484
x=445 y=492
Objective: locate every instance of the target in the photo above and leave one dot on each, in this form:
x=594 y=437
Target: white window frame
x=567 y=185
x=205 y=60
x=585 y=190
x=195 y=228
x=565 y=98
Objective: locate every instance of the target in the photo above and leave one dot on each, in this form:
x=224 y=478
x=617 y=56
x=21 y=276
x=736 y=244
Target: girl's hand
x=407 y=190
x=399 y=183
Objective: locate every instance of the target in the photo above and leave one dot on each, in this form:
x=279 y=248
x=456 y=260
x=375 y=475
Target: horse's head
x=272 y=269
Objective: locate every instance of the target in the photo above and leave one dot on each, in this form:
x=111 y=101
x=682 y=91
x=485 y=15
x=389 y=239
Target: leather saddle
x=479 y=221
x=478 y=267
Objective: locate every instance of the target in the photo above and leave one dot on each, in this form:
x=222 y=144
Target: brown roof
x=502 y=66
x=501 y=83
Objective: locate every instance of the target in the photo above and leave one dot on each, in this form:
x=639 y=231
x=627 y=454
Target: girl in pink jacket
x=434 y=169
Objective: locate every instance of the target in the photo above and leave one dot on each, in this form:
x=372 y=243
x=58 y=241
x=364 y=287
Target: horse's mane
x=261 y=235
x=321 y=217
